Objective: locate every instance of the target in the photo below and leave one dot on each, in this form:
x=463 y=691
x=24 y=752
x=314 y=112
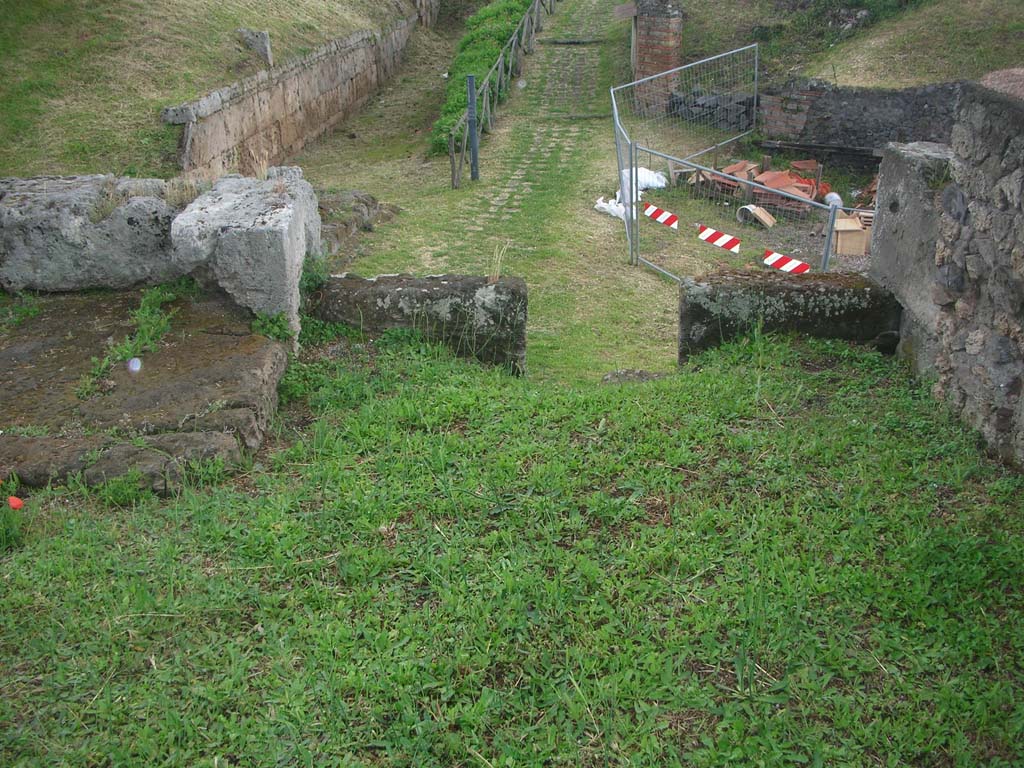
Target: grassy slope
x=935 y=41
x=83 y=82
x=942 y=41
x=785 y=553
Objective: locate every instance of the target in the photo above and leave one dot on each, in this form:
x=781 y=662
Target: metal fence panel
x=686 y=123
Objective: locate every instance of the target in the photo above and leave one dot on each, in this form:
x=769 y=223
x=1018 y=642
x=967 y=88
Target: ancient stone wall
x=816 y=112
x=948 y=240
x=474 y=316
x=720 y=306
x=269 y=117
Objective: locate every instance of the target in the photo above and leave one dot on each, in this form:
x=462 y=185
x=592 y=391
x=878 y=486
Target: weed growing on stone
x=151 y=323
x=16 y=309
x=272 y=326
x=315 y=273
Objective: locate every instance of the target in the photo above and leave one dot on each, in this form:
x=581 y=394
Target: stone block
x=913 y=182
x=67 y=233
x=258 y=42
x=722 y=305
x=474 y=316
x=252 y=236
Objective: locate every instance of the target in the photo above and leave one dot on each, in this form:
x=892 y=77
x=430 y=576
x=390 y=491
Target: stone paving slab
x=209 y=391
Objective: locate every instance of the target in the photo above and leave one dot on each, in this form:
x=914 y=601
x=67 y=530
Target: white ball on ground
x=134 y=365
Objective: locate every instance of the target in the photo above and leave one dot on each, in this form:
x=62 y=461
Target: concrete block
x=912 y=184
x=475 y=317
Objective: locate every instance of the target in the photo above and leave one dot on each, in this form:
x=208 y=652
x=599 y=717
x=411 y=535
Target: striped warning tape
x=722 y=240
x=786 y=264
x=662 y=217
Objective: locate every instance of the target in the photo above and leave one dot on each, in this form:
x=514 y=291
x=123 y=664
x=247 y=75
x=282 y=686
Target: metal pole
x=757 y=106
x=634 y=199
x=832 y=212
x=474 y=146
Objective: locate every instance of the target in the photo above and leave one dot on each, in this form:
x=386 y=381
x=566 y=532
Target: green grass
x=541 y=171
x=785 y=554
x=16 y=309
x=942 y=41
x=84 y=82
x=487 y=32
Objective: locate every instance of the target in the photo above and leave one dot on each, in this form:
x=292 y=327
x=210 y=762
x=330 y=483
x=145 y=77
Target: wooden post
x=451 y=158
x=766 y=163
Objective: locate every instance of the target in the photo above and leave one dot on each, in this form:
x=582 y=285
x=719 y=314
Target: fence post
x=832 y=212
x=474 y=145
x=451 y=158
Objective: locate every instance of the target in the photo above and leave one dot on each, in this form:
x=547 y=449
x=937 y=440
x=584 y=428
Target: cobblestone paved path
x=549 y=157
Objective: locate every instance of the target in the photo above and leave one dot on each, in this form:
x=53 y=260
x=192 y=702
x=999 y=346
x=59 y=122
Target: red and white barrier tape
x=722 y=240
x=785 y=263
x=660 y=216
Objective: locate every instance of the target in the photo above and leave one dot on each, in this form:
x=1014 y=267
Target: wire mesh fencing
x=719 y=207
x=789 y=229
x=689 y=110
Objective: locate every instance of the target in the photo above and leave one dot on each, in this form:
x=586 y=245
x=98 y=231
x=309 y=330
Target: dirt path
x=550 y=156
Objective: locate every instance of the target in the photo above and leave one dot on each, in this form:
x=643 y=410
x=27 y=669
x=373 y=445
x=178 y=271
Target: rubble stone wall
x=269 y=117
x=816 y=112
x=948 y=240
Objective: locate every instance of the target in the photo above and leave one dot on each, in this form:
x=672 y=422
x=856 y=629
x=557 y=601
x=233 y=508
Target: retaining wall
x=816 y=112
x=948 y=240
x=271 y=116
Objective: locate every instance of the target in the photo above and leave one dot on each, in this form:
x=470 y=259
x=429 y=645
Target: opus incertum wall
x=264 y=119
x=816 y=112
x=948 y=241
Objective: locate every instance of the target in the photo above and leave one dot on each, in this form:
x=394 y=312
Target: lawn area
x=549 y=157
x=83 y=82
x=785 y=553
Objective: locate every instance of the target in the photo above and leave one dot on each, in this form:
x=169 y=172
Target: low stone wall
x=725 y=304
x=248 y=237
x=269 y=117
x=948 y=240
x=816 y=112
x=472 y=315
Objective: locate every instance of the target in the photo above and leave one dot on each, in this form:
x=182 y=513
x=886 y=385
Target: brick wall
x=659 y=47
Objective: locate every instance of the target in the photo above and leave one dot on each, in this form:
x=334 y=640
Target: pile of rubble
x=796 y=187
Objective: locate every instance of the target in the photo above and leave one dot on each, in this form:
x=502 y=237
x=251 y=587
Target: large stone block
x=66 y=233
x=474 y=316
x=722 y=305
x=903 y=243
x=253 y=236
